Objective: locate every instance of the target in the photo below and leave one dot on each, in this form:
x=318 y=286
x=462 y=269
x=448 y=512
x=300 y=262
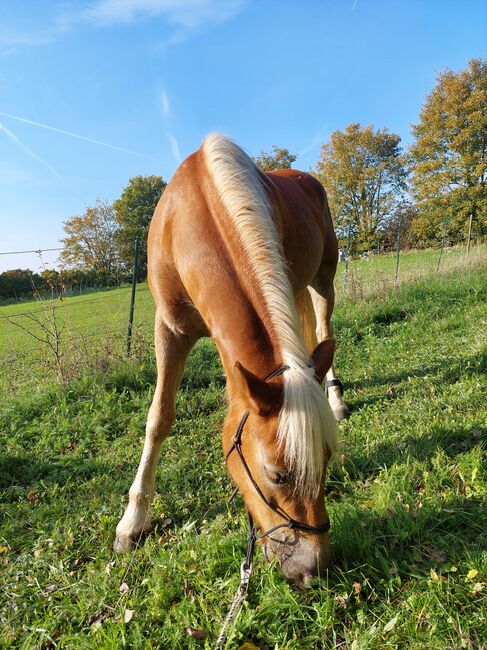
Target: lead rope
x=245 y=573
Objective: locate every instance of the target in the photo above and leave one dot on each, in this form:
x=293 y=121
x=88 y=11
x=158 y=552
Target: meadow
x=405 y=492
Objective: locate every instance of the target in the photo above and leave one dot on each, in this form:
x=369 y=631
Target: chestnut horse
x=249 y=259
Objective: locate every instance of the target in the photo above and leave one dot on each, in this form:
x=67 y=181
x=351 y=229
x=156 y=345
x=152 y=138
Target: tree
x=364 y=175
x=277 y=159
x=90 y=242
x=449 y=155
x=399 y=221
x=19 y=283
x=134 y=210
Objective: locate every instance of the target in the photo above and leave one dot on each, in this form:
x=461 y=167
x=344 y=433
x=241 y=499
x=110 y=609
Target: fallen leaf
x=434 y=575
x=127 y=615
x=478 y=587
x=343 y=600
x=471 y=574
x=50 y=588
x=357 y=587
x=476 y=433
x=108 y=567
x=124 y=588
x=196 y=634
x=97 y=618
x=391 y=624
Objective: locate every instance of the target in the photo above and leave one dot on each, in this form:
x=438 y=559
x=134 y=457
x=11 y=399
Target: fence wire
x=91 y=338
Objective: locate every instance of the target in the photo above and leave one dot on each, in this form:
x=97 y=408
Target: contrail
x=75 y=135
x=15 y=139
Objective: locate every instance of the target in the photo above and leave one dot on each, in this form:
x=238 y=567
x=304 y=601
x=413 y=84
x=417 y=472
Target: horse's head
x=278 y=460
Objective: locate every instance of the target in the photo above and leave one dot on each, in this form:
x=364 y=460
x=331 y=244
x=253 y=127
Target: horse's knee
x=159 y=424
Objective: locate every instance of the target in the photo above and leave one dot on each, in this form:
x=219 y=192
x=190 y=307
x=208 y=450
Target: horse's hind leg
x=171 y=352
x=323 y=296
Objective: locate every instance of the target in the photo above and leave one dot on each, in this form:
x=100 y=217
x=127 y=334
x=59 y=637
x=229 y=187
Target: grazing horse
x=249 y=258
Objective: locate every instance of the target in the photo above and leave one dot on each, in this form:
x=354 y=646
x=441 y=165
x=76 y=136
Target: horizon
x=97 y=93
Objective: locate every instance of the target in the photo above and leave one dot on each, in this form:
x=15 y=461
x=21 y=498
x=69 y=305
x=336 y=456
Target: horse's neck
x=240 y=334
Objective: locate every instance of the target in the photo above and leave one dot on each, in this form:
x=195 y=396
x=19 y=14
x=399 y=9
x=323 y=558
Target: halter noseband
x=289 y=522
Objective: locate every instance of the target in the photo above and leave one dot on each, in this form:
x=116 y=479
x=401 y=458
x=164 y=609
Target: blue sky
x=152 y=77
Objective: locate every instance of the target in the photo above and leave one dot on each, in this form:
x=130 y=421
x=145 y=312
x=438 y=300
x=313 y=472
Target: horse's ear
x=322 y=358
x=261 y=396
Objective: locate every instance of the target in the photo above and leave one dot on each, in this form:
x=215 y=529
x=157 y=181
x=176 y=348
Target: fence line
x=363 y=279
x=38 y=251
x=67 y=304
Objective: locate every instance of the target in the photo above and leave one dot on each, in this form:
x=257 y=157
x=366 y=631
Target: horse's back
x=307 y=229
x=191 y=259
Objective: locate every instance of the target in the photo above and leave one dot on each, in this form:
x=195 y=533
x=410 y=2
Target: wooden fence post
x=132 y=296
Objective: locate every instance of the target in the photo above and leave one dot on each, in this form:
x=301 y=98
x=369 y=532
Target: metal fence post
x=132 y=296
x=347 y=252
x=442 y=246
x=398 y=249
x=469 y=233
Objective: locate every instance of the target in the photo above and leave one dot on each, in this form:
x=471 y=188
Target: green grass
x=94 y=325
x=406 y=493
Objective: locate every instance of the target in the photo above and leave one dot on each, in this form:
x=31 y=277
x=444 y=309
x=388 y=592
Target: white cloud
x=188 y=14
x=166 y=110
x=28 y=151
x=185 y=16
x=174 y=147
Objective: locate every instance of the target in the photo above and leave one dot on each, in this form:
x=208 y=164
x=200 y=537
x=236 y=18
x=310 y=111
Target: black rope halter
x=288 y=522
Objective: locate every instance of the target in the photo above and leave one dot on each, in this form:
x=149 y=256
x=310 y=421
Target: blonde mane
x=306 y=423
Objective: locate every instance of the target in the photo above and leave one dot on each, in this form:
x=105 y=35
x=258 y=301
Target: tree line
x=433 y=191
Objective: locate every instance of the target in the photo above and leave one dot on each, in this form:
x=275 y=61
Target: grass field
x=94 y=325
x=406 y=491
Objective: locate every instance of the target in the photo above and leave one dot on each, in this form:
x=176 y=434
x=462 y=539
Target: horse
x=248 y=258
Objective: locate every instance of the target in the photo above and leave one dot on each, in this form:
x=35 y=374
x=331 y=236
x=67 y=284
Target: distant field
x=406 y=492
x=95 y=325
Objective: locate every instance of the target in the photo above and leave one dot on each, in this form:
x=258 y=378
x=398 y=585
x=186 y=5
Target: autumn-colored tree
x=364 y=176
x=278 y=158
x=449 y=155
x=90 y=241
x=133 y=212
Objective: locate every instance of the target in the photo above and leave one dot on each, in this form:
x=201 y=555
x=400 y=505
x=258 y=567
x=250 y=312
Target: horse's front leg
x=171 y=353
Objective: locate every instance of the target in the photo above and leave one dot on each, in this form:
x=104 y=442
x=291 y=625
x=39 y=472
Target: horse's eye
x=276 y=476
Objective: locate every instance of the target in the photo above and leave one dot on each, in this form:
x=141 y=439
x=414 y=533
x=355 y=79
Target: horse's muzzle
x=301 y=558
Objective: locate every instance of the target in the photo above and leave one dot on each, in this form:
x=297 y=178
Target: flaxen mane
x=306 y=422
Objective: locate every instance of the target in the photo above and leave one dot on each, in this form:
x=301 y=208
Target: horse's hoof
x=342 y=412
x=124 y=543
